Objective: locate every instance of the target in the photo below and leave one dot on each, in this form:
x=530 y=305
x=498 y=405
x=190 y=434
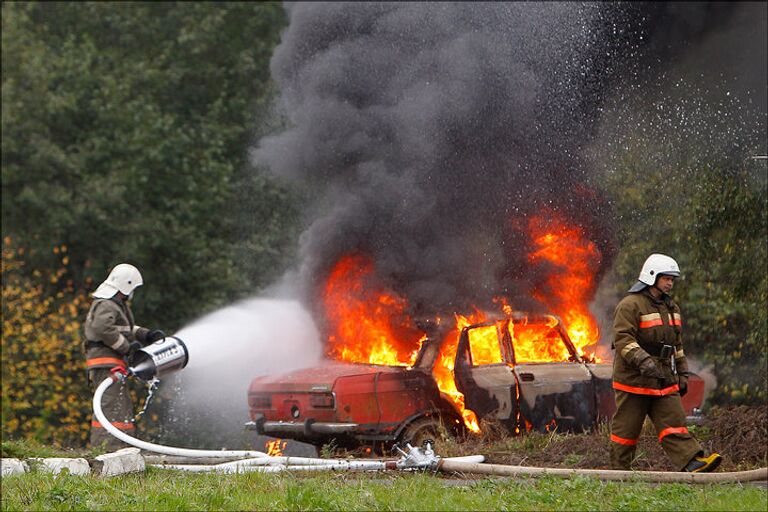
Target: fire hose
x=170 y=354
x=260 y=461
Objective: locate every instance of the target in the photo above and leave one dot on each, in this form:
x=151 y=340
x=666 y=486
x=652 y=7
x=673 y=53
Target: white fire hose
x=170 y=354
x=260 y=461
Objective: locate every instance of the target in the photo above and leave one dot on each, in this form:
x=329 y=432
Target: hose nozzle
x=160 y=358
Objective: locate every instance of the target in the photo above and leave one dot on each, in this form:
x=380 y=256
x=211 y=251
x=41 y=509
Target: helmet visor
x=105 y=291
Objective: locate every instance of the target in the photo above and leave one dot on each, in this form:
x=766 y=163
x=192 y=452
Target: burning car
x=391 y=378
x=521 y=370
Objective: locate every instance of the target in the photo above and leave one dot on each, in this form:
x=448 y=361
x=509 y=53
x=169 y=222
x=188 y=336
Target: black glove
x=683 y=384
x=648 y=368
x=154 y=335
x=132 y=348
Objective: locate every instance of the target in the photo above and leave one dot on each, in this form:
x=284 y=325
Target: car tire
x=420 y=431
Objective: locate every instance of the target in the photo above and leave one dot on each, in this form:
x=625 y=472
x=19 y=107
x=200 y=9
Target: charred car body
x=499 y=379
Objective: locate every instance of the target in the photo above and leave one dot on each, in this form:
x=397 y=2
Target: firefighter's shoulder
x=631 y=301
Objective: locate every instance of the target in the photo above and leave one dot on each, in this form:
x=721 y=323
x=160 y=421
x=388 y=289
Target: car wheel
x=420 y=431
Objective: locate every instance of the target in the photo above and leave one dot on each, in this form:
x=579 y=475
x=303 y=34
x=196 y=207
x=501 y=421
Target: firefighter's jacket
x=109 y=330
x=642 y=325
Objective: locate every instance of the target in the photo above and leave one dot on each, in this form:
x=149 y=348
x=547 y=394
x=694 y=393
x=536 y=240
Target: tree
x=125 y=130
x=712 y=217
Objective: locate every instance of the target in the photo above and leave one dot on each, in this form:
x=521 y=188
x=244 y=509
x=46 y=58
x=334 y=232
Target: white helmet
x=124 y=278
x=656 y=265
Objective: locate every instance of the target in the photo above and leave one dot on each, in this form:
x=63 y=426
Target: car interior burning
x=393 y=377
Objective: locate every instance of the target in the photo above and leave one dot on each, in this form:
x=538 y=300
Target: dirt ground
x=738 y=433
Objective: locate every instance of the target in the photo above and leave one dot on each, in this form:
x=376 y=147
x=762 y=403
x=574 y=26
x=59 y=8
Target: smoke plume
x=429 y=132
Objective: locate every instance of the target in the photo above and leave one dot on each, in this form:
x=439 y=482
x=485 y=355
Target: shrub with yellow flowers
x=45 y=394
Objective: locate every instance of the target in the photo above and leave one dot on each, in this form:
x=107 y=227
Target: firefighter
x=110 y=337
x=650 y=371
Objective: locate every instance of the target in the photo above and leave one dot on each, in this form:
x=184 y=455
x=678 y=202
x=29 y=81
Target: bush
x=45 y=395
x=718 y=232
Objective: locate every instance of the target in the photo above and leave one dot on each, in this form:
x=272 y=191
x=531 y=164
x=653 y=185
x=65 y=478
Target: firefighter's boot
x=704 y=464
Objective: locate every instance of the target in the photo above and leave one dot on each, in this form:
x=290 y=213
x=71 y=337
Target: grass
x=172 y=490
x=25 y=448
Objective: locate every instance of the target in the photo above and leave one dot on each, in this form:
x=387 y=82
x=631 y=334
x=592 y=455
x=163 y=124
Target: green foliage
x=125 y=135
x=714 y=220
x=172 y=490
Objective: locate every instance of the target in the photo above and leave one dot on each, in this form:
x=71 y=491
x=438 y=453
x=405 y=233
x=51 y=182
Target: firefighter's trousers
x=117 y=406
x=666 y=413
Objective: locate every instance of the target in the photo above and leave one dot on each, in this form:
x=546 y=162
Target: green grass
x=172 y=490
x=25 y=448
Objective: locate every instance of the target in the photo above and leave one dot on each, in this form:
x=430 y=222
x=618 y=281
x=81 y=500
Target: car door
x=484 y=375
x=602 y=376
x=556 y=388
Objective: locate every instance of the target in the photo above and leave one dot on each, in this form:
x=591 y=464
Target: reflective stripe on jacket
x=643 y=322
x=109 y=323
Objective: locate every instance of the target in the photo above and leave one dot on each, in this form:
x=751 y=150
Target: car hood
x=316 y=378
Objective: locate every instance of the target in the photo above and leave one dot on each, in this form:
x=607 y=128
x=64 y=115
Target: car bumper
x=308 y=427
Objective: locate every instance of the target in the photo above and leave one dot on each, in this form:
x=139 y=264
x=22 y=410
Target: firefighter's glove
x=132 y=348
x=154 y=335
x=682 y=382
x=648 y=368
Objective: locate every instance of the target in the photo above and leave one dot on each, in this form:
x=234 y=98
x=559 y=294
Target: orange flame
x=574 y=261
x=534 y=341
x=443 y=370
x=366 y=323
x=537 y=342
x=275 y=448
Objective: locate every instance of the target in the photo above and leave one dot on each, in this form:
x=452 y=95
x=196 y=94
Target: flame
x=275 y=448
x=536 y=342
x=485 y=345
x=443 y=370
x=366 y=323
x=573 y=261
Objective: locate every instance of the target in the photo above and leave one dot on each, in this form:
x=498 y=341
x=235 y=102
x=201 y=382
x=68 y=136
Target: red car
x=362 y=403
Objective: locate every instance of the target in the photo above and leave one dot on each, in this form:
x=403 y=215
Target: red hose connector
x=119 y=373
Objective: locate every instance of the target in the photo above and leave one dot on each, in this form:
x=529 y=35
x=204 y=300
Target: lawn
x=159 y=489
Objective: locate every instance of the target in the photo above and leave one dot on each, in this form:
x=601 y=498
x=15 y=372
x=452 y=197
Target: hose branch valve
x=417 y=458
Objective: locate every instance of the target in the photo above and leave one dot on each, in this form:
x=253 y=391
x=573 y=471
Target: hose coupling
x=417 y=458
x=119 y=373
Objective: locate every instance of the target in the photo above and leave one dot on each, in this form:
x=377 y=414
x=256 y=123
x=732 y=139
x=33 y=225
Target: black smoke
x=429 y=133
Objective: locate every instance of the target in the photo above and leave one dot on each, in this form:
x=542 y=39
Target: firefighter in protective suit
x=650 y=371
x=111 y=336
